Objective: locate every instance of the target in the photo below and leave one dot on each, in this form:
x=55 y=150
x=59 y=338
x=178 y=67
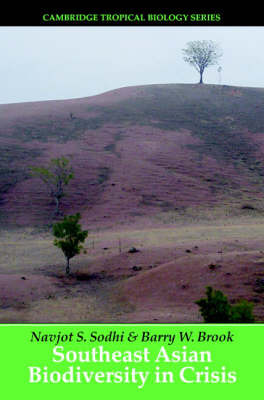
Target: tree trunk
x=56 y=212
x=68 y=266
x=201 y=77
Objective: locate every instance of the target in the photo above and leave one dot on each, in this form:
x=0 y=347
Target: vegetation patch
x=154 y=201
x=103 y=175
x=215 y=308
x=59 y=130
x=10 y=171
x=112 y=146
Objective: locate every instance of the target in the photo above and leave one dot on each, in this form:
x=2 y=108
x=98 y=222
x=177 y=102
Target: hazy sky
x=53 y=63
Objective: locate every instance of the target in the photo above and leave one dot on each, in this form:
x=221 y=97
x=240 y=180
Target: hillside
x=156 y=150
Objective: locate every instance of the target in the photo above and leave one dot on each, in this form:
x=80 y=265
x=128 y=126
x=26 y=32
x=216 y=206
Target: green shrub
x=242 y=312
x=215 y=308
x=69 y=236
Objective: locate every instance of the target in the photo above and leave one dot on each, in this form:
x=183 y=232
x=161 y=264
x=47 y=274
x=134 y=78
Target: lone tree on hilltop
x=56 y=176
x=69 y=236
x=201 y=54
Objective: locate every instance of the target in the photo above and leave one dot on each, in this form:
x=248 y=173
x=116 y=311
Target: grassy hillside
x=136 y=151
x=218 y=115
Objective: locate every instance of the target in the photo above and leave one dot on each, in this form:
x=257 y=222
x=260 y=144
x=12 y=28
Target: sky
x=55 y=63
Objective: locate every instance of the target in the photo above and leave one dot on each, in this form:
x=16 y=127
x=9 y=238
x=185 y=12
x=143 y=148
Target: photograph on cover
x=131 y=174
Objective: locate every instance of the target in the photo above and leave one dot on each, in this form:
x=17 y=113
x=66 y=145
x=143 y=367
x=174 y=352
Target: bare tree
x=56 y=176
x=202 y=54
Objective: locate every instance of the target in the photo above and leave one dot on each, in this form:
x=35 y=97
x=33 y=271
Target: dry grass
x=90 y=295
x=73 y=309
x=28 y=252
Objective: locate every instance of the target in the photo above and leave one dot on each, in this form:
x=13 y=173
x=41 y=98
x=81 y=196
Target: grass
x=183 y=232
x=11 y=170
x=30 y=252
x=61 y=309
x=112 y=146
x=57 y=130
x=27 y=252
x=103 y=175
x=72 y=307
x=214 y=114
x=242 y=210
x=24 y=253
x=219 y=116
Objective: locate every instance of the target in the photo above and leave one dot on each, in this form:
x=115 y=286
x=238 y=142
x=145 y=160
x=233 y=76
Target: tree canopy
x=69 y=236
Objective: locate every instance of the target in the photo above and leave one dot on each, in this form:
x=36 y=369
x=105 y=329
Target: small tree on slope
x=69 y=236
x=56 y=176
